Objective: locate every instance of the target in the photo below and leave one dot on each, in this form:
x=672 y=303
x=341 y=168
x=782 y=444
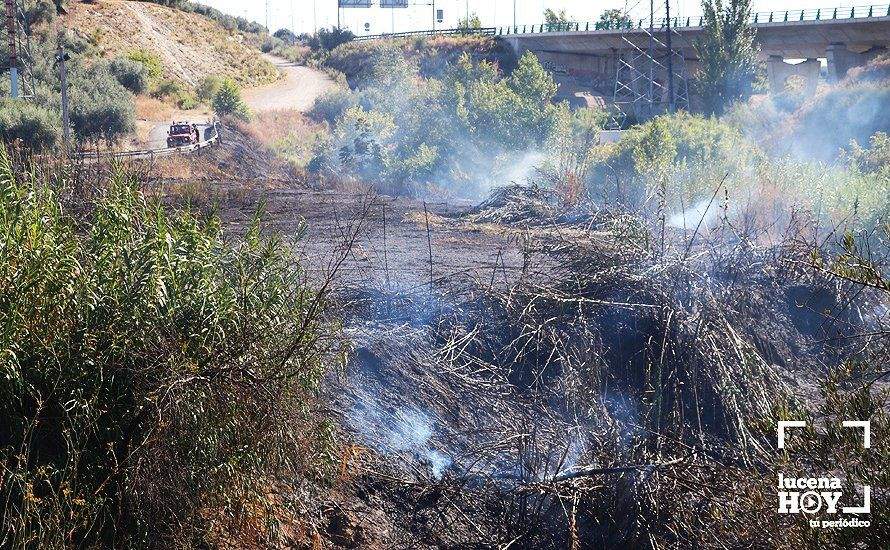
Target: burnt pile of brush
x=629 y=397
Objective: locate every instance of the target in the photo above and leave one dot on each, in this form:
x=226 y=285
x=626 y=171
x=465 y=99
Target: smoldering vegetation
x=618 y=391
x=681 y=291
x=459 y=129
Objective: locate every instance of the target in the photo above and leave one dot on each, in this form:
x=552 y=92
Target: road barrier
x=151 y=153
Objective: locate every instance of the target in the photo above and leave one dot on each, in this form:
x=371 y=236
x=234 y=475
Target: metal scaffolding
x=649 y=80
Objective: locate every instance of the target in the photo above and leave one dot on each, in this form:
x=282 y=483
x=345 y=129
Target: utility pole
x=62 y=57
x=434 y=14
x=670 y=59
x=267 y=17
x=13 y=54
x=514 y=14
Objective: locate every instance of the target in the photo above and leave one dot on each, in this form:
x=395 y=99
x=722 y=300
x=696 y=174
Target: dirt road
x=297 y=90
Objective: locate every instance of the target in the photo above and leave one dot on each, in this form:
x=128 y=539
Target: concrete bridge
x=590 y=55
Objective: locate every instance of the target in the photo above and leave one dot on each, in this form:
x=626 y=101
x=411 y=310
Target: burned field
x=520 y=377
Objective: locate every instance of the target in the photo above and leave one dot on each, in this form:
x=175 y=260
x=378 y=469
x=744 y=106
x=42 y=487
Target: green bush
x=166 y=89
x=208 y=87
x=152 y=63
x=874 y=157
x=689 y=154
x=101 y=109
x=154 y=378
x=228 y=101
x=132 y=75
x=463 y=130
x=33 y=126
x=330 y=106
x=514 y=112
x=327 y=40
x=187 y=101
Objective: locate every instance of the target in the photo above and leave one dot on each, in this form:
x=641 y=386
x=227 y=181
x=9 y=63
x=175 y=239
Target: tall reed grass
x=155 y=378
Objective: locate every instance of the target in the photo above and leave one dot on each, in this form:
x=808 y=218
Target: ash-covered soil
x=553 y=380
x=383 y=239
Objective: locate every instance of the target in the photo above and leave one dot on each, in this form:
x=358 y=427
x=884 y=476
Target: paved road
x=297 y=90
x=157 y=137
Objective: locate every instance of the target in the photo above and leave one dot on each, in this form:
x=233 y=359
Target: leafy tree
x=101 y=109
x=471 y=22
x=362 y=140
x=728 y=54
x=327 y=40
x=34 y=127
x=532 y=82
x=132 y=75
x=614 y=19
x=552 y=17
x=228 y=100
x=516 y=111
x=286 y=36
x=556 y=20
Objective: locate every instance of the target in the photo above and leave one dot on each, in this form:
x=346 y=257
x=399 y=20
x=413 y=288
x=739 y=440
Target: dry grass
x=288 y=133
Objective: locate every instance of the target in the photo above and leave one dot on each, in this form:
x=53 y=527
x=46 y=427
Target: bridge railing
x=779 y=16
x=484 y=31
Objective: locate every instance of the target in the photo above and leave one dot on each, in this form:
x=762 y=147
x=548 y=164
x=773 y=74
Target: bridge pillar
x=779 y=72
x=841 y=60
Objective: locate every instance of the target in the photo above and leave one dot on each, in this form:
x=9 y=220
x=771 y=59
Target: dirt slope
x=190 y=46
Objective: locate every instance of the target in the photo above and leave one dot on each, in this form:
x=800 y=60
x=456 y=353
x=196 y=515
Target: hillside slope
x=190 y=46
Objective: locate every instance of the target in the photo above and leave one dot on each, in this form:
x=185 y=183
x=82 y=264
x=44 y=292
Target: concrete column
x=779 y=72
x=841 y=60
x=838 y=57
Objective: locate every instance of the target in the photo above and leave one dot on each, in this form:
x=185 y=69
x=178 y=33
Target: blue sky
x=303 y=15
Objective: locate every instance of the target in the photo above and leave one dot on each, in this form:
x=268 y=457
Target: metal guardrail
x=780 y=16
x=150 y=153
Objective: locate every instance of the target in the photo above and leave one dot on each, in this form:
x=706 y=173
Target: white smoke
x=705 y=211
x=405 y=430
